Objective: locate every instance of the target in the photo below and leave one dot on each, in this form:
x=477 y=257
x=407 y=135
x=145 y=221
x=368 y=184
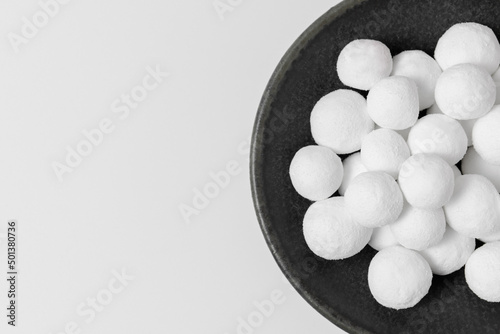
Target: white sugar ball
x=340 y=121
x=450 y=254
x=440 y=135
x=456 y=171
x=382 y=237
x=331 y=233
x=486 y=136
x=474 y=209
x=467 y=124
x=364 y=62
x=419 y=229
x=468 y=43
x=482 y=272
x=316 y=172
x=399 y=278
x=393 y=103
x=374 y=199
x=496 y=79
x=426 y=181
x=384 y=150
x=465 y=91
x=421 y=68
x=352 y=168
x=474 y=164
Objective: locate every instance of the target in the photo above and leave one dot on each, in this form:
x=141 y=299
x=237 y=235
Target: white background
x=118 y=210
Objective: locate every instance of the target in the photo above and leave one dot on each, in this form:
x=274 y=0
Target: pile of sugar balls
x=399 y=189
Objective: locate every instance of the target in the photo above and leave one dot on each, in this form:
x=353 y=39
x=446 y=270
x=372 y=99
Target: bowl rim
x=256 y=180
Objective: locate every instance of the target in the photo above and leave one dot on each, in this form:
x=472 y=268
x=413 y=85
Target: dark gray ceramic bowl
x=339 y=289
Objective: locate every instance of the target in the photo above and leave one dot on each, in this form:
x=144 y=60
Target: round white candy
x=331 y=233
x=440 y=135
x=465 y=91
x=393 y=103
x=340 y=121
x=486 y=136
x=352 y=168
x=421 y=68
x=426 y=181
x=399 y=278
x=382 y=237
x=482 y=272
x=450 y=254
x=468 y=43
x=316 y=172
x=474 y=209
x=364 y=62
x=419 y=229
x=496 y=79
x=373 y=199
x=474 y=164
x=384 y=150
x=467 y=124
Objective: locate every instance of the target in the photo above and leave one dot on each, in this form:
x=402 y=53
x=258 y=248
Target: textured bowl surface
x=339 y=289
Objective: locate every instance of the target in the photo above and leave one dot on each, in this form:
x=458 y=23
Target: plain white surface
x=118 y=210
